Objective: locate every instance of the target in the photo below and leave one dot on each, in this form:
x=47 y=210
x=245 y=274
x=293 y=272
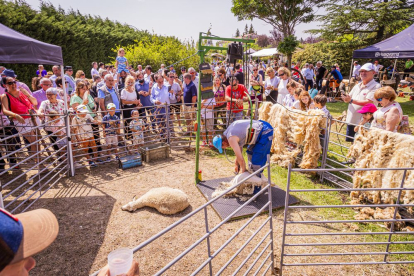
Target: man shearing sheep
x=258 y=140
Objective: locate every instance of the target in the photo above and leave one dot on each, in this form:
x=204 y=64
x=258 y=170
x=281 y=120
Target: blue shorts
x=257 y=153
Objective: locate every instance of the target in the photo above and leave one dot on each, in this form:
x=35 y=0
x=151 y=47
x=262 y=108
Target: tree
x=369 y=20
x=263 y=40
x=287 y=46
x=276 y=37
x=237 y=32
x=251 y=30
x=246 y=29
x=283 y=15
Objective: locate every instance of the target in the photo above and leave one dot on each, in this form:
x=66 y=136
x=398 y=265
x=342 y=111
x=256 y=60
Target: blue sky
x=181 y=18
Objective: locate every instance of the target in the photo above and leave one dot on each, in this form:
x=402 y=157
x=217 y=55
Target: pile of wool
x=166 y=200
x=295 y=126
x=368 y=213
x=247 y=188
x=382 y=149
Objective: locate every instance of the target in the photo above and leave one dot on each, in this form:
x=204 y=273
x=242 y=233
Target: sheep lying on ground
x=244 y=189
x=166 y=200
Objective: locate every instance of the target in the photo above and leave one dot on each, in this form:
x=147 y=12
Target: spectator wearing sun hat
x=22 y=236
x=360 y=95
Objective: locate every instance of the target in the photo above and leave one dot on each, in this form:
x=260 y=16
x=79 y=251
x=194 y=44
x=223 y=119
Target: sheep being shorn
x=247 y=188
x=383 y=149
x=166 y=200
x=295 y=126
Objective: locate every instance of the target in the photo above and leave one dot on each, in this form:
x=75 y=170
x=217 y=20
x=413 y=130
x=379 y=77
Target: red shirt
x=239 y=93
x=20 y=105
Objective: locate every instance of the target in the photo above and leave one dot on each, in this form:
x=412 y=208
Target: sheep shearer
x=258 y=140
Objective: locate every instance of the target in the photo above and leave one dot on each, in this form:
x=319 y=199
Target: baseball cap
x=110 y=105
x=82 y=108
x=25 y=234
x=367 y=67
x=9 y=73
x=371 y=108
x=217 y=143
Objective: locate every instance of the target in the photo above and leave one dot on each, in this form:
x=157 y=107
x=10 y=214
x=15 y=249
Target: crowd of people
x=133 y=101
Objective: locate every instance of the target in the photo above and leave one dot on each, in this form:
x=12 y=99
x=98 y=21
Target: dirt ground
x=92 y=224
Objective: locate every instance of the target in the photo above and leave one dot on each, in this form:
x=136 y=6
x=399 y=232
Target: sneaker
x=92 y=164
x=108 y=158
x=99 y=160
x=117 y=157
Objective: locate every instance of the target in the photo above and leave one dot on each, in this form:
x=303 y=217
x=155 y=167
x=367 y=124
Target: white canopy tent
x=265 y=53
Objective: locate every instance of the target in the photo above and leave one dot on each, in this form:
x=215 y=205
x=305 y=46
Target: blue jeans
x=232 y=116
x=160 y=119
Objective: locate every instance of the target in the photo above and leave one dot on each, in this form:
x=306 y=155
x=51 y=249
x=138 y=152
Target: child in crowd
x=84 y=133
x=57 y=126
x=305 y=102
x=110 y=125
x=121 y=61
x=207 y=121
x=314 y=91
x=320 y=103
x=137 y=128
x=367 y=112
x=289 y=100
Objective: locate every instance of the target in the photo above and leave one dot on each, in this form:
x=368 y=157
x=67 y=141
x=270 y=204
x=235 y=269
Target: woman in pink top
x=18 y=104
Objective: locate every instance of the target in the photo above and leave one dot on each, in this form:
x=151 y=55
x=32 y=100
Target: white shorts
x=111 y=140
x=24 y=128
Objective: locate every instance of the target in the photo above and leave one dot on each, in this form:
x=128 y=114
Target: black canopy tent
x=18 y=48
x=399 y=46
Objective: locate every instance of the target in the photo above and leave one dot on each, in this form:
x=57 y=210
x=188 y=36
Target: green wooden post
x=202 y=51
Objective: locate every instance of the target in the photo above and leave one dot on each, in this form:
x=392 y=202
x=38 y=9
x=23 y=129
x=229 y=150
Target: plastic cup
x=120 y=261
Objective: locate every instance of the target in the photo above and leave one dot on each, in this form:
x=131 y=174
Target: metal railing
x=266 y=254
x=37 y=158
x=302 y=257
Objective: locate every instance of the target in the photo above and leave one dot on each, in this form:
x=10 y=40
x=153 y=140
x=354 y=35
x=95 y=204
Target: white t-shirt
x=289 y=100
x=282 y=90
x=361 y=92
x=272 y=82
x=206 y=112
x=176 y=88
x=379 y=116
x=355 y=72
x=296 y=104
x=377 y=67
x=128 y=96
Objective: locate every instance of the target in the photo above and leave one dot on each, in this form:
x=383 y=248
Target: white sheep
x=166 y=200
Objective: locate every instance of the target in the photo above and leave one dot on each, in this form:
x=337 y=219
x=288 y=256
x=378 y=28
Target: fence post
x=167 y=114
x=395 y=214
x=208 y=241
x=325 y=147
x=285 y=218
x=71 y=167
x=269 y=192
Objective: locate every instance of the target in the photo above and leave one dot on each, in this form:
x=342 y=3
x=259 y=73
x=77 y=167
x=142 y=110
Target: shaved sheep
x=166 y=200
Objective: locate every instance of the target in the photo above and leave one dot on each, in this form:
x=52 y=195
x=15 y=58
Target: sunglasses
x=11 y=82
x=282 y=74
x=379 y=99
x=172 y=77
x=254 y=70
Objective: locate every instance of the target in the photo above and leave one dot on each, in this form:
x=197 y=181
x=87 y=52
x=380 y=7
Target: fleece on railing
x=383 y=149
x=301 y=128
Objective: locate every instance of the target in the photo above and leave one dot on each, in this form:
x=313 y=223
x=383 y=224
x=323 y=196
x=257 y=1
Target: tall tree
x=237 y=32
x=288 y=46
x=369 y=20
x=283 y=15
x=251 y=30
x=246 y=29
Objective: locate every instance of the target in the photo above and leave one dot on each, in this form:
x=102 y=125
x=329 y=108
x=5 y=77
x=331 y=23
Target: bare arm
x=7 y=111
x=102 y=105
x=233 y=142
x=393 y=119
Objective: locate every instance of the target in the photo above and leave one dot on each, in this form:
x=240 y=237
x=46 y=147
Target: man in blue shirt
x=109 y=94
x=337 y=77
x=70 y=79
x=144 y=94
x=190 y=99
x=160 y=97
